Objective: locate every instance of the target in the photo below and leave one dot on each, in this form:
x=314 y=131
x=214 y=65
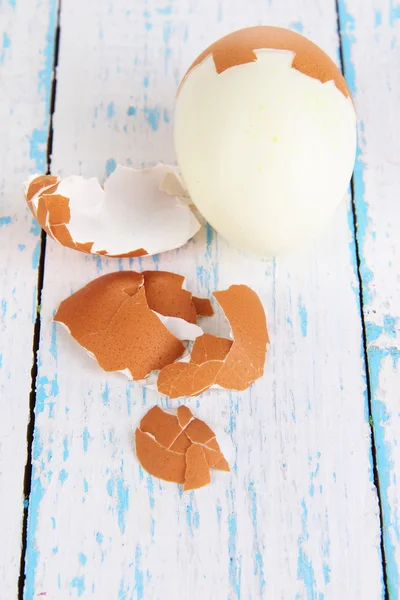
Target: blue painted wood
x=370 y=34
x=26 y=56
x=298 y=516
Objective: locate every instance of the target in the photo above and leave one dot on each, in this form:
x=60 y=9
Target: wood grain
x=298 y=516
x=26 y=56
x=371 y=34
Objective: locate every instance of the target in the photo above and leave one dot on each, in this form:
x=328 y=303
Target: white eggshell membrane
x=266 y=152
x=181 y=329
x=130 y=212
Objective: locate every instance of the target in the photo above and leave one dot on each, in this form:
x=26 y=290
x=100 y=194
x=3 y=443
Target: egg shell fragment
x=178 y=448
x=203 y=307
x=131 y=216
x=110 y=317
x=197 y=469
x=113 y=318
x=217 y=361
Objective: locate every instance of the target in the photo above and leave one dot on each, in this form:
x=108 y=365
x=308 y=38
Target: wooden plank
x=298 y=516
x=26 y=56
x=371 y=37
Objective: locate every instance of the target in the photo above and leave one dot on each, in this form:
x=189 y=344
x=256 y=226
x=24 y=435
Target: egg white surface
x=265 y=151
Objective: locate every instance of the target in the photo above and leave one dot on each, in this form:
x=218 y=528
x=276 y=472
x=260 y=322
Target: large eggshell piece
x=265 y=135
x=136 y=212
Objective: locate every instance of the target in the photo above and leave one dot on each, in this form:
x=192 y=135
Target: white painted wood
x=371 y=36
x=26 y=51
x=298 y=516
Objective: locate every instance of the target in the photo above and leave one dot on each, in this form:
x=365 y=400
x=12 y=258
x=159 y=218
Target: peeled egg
x=265 y=136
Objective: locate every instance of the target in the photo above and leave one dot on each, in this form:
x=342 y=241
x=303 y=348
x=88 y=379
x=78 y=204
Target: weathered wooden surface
x=298 y=517
x=26 y=61
x=371 y=33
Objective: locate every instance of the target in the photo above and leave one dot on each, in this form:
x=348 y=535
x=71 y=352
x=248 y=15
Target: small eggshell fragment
x=130 y=216
x=165 y=295
x=159 y=461
x=197 y=468
x=178 y=448
x=218 y=361
x=203 y=307
x=265 y=136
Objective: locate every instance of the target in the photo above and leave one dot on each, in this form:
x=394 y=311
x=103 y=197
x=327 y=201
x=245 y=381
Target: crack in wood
x=364 y=341
x=36 y=332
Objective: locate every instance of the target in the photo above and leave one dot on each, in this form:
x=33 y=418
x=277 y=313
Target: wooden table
x=311 y=509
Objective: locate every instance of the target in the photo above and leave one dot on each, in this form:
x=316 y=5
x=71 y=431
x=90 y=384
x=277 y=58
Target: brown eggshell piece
x=238 y=48
x=215 y=459
x=213 y=444
x=242 y=365
x=246 y=359
x=187 y=379
x=41 y=183
x=199 y=432
x=159 y=461
x=165 y=295
x=197 y=470
x=53 y=215
x=150 y=347
x=163 y=426
x=133 y=254
x=111 y=319
x=162 y=438
x=203 y=307
x=209 y=347
x=184 y=415
x=61 y=234
x=53 y=209
x=90 y=309
x=181 y=444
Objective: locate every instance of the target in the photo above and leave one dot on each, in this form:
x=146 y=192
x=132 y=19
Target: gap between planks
x=364 y=337
x=36 y=332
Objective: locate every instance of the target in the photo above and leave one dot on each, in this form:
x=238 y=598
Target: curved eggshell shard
x=163 y=426
x=199 y=432
x=213 y=444
x=181 y=444
x=197 y=473
x=91 y=308
x=240 y=366
x=216 y=460
x=166 y=444
x=166 y=296
x=210 y=347
x=222 y=464
x=159 y=461
x=111 y=319
x=130 y=216
x=173 y=183
x=150 y=347
x=52 y=211
x=238 y=48
x=187 y=379
x=203 y=307
x=246 y=359
x=38 y=185
x=184 y=415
